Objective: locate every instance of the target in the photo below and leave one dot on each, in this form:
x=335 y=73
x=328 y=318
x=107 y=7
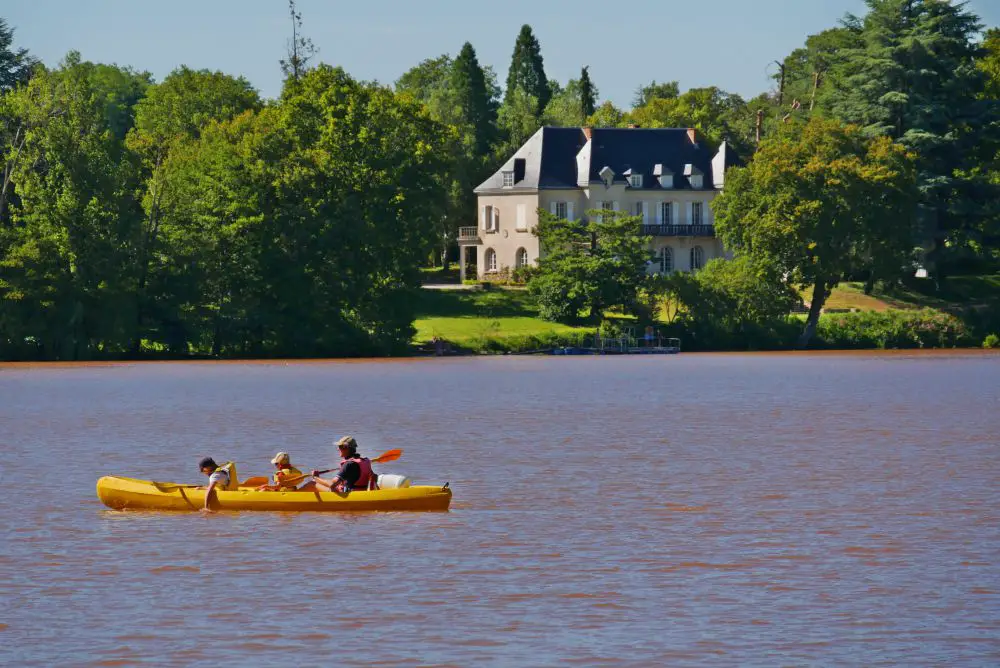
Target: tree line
x=191 y=216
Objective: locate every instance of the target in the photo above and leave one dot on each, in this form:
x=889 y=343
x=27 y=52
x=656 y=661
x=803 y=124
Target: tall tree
x=300 y=49
x=588 y=93
x=527 y=71
x=913 y=78
x=15 y=64
x=476 y=104
x=821 y=204
x=65 y=269
x=177 y=109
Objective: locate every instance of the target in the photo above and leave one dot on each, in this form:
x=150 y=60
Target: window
x=508 y=179
x=696 y=180
x=560 y=210
x=491 y=260
x=635 y=180
x=638 y=208
x=522 y=219
x=666 y=260
x=601 y=207
x=666 y=213
x=521 y=258
x=490 y=217
x=696 y=211
x=697 y=258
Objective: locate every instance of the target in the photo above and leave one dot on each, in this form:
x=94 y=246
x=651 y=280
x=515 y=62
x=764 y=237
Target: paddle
x=255 y=481
x=388 y=456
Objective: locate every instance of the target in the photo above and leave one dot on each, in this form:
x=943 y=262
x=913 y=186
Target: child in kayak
x=286 y=476
x=220 y=478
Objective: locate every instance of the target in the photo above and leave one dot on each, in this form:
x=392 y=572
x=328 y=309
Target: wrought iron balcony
x=679 y=230
x=468 y=235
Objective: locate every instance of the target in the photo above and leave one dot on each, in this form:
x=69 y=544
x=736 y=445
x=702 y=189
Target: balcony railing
x=468 y=234
x=679 y=230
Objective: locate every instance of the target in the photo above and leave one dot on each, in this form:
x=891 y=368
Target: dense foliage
x=189 y=216
x=819 y=204
x=589 y=265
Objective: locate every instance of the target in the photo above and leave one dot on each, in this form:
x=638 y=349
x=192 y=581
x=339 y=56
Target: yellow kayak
x=128 y=493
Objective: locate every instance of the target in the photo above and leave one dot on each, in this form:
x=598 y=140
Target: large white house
x=665 y=175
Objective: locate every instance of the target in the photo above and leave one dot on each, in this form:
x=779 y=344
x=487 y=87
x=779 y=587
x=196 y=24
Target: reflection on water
x=723 y=509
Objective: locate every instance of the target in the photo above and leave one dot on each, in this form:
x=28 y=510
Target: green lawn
x=461 y=316
x=439 y=275
x=957 y=291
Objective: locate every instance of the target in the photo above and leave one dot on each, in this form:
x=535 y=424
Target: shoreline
x=854 y=352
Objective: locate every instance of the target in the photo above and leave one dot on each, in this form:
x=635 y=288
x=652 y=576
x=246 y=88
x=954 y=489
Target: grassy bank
x=962 y=315
x=484 y=320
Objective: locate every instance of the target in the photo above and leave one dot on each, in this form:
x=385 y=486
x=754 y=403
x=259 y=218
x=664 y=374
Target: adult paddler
x=355 y=471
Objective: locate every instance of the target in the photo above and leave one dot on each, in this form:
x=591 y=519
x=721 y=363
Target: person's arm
x=323 y=481
x=210 y=490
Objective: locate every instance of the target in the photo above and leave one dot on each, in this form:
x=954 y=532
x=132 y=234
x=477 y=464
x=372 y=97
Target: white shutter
x=614 y=206
x=522 y=222
x=645 y=213
x=689 y=214
x=569 y=211
x=496 y=219
x=482 y=218
x=552 y=208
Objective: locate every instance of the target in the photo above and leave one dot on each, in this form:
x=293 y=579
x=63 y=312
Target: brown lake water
x=793 y=509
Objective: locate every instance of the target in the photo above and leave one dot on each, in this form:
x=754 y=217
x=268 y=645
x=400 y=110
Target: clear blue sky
x=727 y=43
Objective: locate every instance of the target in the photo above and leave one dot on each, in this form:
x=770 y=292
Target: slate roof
x=561 y=158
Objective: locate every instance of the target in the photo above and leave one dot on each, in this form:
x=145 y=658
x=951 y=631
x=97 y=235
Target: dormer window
x=695 y=176
x=508 y=179
x=607 y=176
x=664 y=175
x=635 y=180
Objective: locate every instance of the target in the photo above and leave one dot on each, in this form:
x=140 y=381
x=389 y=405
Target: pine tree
x=913 y=77
x=474 y=100
x=527 y=73
x=300 y=49
x=588 y=93
x=15 y=64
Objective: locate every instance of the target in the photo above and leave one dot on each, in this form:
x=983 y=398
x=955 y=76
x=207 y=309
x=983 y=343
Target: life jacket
x=286 y=473
x=229 y=468
x=365 y=464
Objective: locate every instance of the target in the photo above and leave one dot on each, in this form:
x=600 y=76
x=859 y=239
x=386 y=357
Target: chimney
x=693 y=135
x=587 y=132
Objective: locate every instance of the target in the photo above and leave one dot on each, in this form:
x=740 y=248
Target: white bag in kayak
x=393 y=481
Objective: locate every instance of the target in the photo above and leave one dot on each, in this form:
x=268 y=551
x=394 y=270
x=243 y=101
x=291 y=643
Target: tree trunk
x=870 y=283
x=445 y=264
x=819 y=296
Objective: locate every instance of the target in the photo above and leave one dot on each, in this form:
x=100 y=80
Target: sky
x=726 y=43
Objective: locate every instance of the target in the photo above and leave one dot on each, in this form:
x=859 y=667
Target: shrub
x=892 y=329
x=991 y=341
